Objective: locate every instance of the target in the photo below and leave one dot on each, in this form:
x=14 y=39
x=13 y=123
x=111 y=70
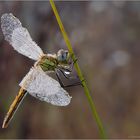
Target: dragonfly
x=37 y=81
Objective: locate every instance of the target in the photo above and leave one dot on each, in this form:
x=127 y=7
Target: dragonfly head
x=63 y=56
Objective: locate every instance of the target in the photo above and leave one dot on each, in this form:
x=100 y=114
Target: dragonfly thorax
x=49 y=62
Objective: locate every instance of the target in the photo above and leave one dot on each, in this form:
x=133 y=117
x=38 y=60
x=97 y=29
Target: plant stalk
x=87 y=93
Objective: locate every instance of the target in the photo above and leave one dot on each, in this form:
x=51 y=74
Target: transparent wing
x=19 y=37
x=45 y=88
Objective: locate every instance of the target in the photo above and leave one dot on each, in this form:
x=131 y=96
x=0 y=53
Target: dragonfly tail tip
x=4 y=125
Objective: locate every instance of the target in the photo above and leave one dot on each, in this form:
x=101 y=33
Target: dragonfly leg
x=72 y=64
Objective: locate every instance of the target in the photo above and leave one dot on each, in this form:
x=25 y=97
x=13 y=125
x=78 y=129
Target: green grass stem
x=87 y=93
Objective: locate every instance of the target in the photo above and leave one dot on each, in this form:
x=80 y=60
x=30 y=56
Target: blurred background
x=105 y=38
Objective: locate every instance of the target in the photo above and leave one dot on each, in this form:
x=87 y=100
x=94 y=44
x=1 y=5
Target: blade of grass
x=68 y=43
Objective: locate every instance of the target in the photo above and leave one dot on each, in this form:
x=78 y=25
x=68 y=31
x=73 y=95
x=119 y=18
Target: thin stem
x=68 y=43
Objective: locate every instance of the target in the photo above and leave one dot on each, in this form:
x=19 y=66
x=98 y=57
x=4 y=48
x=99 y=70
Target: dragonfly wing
x=45 y=88
x=19 y=37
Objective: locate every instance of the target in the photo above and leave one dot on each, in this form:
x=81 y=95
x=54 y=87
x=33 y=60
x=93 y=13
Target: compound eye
x=66 y=52
x=62 y=55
